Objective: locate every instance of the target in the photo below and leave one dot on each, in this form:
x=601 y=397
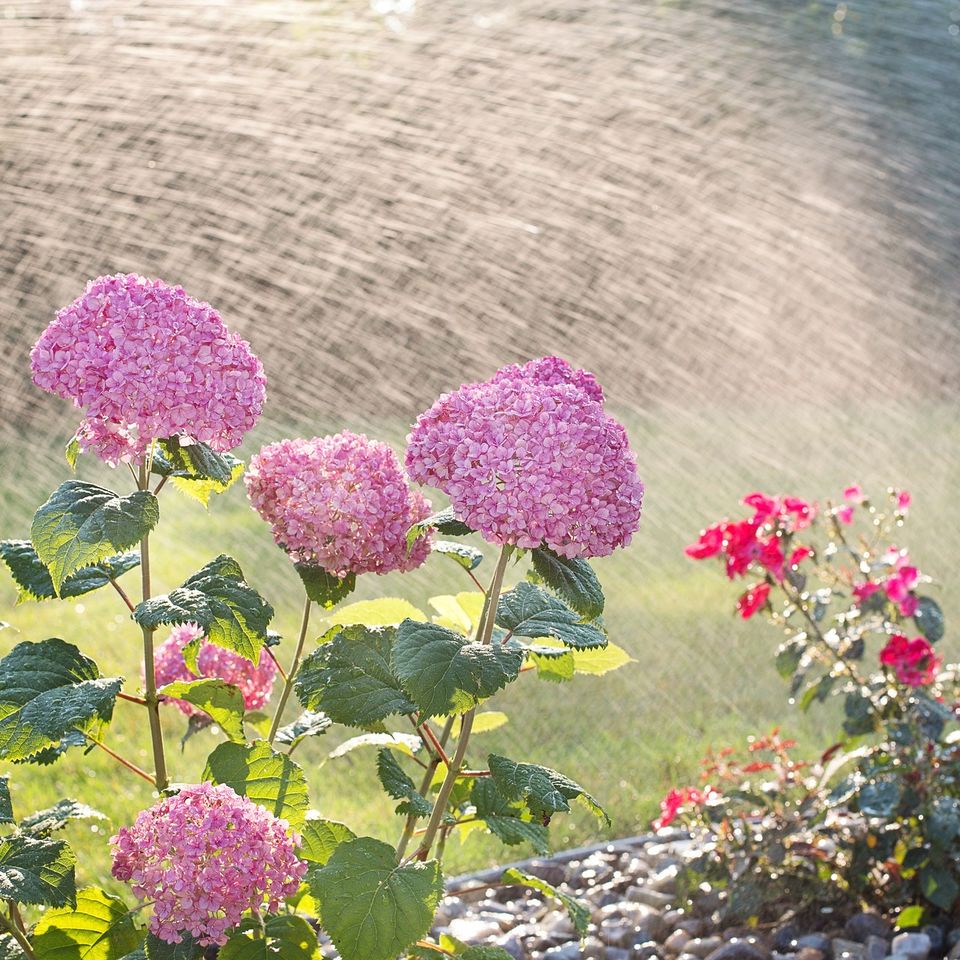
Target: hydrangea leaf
x=407 y=743
x=939 y=886
x=6 y=804
x=544 y=790
x=33 y=579
x=398 y=785
x=195 y=461
x=271 y=779
x=231 y=613
x=372 y=907
x=528 y=611
x=156 y=949
x=579 y=912
x=285 y=937
x=451 y=946
x=557 y=667
x=573 y=579
x=466 y=556
x=308 y=724
x=203 y=490
x=323 y=587
x=350 y=678
x=385 y=612
x=460 y=613
x=37 y=871
x=44 y=822
x=321 y=838
x=488 y=720
x=82 y=523
x=100 y=927
x=71 y=739
x=509 y=821
x=221 y=701
x=929 y=619
x=47 y=690
x=443 y=671
x=72 y=452
x=445 y=523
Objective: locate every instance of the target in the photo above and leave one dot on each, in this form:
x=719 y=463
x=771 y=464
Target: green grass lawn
x=700 y=677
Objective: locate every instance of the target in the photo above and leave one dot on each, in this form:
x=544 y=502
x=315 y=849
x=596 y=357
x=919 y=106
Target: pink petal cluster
x=676 y=800
x=899 y=585
x=753 y=600
x=913 y=661
x=342 y=502
x=148 y=361
x=255 y=681
x=758 y=539
x=204 y=857
x=531 y=457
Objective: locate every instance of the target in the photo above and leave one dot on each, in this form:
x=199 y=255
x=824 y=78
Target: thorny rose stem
x=150 y=678
x=484 y=634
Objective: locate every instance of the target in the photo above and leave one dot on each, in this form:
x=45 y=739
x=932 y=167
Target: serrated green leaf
x=929 y=619
x=271 y=779
x=598 y=662
x=308 y=724
x=545 y=791
x=222 y=702
x=33 y=579
x=202 y=490
x=100 y=927
x=285 y=937
x=445 y=523
x=460 y=613
x=939 y=886
x=509 y=821
x=398 y=785
x=321 y=838
x=555 y=668
x=194 y=461
x=178 y=606
x=48 y=689
x=325 y=588
x=38 y=871
x=461 y=553
x=156 y=949
x=488 y=720
x=372 y=907
x=528 y=611
x=444 y=672
x=572 y=578
x=45 y=822
x=406 y=743
x=579 y=912
x=788 y=658
x=350 y=678
x=385 y=612
x=879 y=798
x=6 y=804
x=48 y=755
x=941 y=825
x=82 y=523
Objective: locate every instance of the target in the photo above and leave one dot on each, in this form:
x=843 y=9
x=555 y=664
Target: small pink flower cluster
x=676 y=800
x=531 y=457
x=757 y=540
x=341 y=502
x=899 y=586
x=255 y=681
x=855 y=496
x=147 y=362
x=913 y=661
x=204 y=857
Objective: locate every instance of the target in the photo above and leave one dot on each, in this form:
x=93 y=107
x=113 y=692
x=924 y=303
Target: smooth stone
x=474 y=931
x=648 y=896
x=552 y=873
x=866 y=924
x=615 y=953
x=645 y=951
x=514 y=946
x=566 y=951
x=953 y=937
x=875 y=947
x=848 y=949
x=665 y=881
x=677 y=941
x=809 y=953
x=738 y=950
x=816 y=940
x=954 y=953
x=593 y=949
x=692 y=925
x=937 y=937
x=617 y=933
x=703 y=947
x=917 y=946
x=503 y=920
x=785 y=938
x=673 y=917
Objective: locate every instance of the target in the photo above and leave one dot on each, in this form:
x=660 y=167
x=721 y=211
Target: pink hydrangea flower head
x=148 y=361
x=341 y=502
x=204 y=857
x=913 y=661
x=255 y=681
x=530 y=457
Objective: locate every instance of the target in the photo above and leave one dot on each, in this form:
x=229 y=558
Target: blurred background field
x=744 y=218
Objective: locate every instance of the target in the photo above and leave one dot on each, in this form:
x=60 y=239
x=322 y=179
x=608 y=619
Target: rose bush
x=239 y=862
x=878 y=818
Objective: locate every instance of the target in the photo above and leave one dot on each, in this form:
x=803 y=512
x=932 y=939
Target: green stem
x=19 y=935
x=411 y=823
x=150 y=677
x=292 y=673
x=484 y=635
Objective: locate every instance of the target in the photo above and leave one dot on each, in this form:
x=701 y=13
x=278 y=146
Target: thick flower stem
x=13 y=928
x=292 y=673
x=411 y=823
x=150 y=677
x=484 y=635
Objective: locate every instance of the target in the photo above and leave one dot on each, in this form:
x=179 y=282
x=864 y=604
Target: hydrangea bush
x=877 y=819
x=240 y=863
